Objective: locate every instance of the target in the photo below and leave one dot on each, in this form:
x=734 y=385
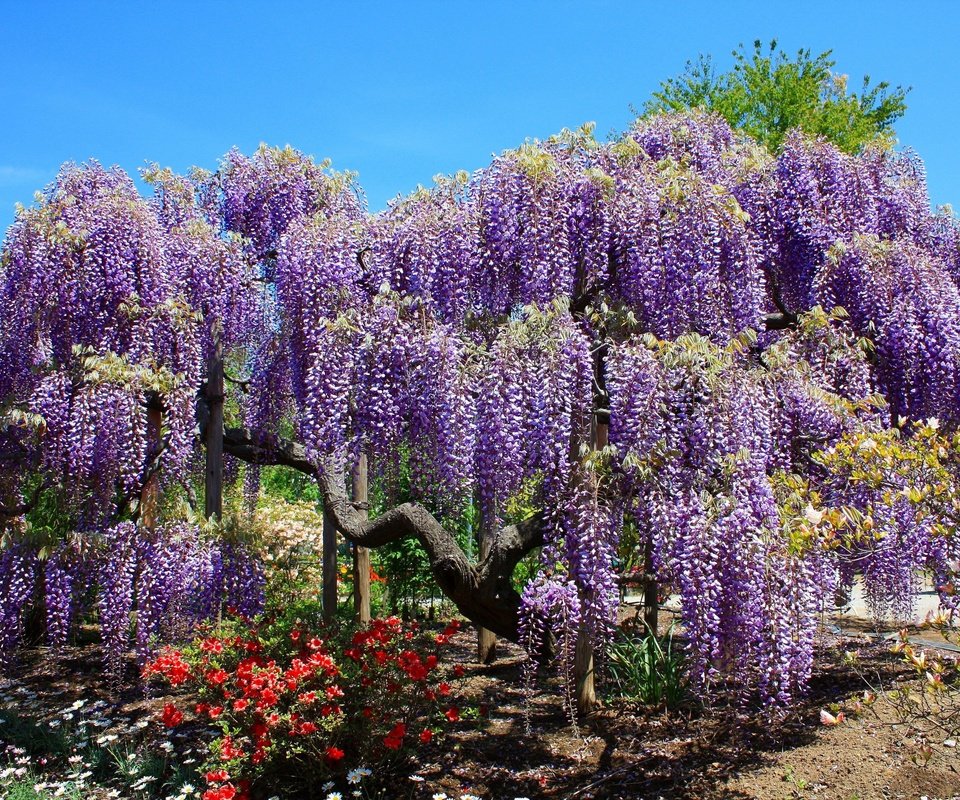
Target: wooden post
x=486 y=640
x=329 y=597
x=650 y=599
x=361 y=555
x=583 y=665
x=150 y=493
x=213 y=494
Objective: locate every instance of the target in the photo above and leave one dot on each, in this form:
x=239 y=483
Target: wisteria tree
x=676 y=333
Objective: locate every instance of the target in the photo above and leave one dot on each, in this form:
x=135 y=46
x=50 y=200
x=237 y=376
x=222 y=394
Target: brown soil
x=722 y=752
x=621 y=751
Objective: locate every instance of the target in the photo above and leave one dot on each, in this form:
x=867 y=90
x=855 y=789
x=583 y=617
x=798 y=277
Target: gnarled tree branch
x=482 y=592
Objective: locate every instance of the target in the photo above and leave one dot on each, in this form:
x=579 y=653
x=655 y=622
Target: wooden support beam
x=486 y=639
x=361 y=555
x=583 y=668
x=329 y=570
x=213 y=484
x=150 y=493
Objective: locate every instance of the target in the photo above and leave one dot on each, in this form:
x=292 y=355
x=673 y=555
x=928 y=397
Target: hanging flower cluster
x=172 y=577
x=475 y=338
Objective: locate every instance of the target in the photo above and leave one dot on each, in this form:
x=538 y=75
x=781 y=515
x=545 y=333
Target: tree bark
x=329 y=570
x=482 y=592
x=361 y=555
x=213 y=484
x=584 y=675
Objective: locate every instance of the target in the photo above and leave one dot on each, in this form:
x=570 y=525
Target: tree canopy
x=727 y=315
x=767 y=94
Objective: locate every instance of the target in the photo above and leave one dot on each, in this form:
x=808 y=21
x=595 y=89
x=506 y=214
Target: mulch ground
x=622 y=751
x=705 y=753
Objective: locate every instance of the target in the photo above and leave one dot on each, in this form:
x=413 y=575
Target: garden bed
x=622 y=751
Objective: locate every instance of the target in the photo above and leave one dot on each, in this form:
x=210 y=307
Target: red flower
x=394 y=739
x=417 y=672
x=458 y=670
x=240 y=705
x=215 y=711
x=216 y=677
x=217 y=776
x=444 y=689
x=228 y=750
x=172 y=716
x=453 y=714
x=267 y=698
x=334 y=754
x=426 y=735
x=226 y=792
x=307 y=728
x=171 y=666
x=211 y=646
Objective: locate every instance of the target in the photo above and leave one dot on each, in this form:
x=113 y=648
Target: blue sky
x=402 y=91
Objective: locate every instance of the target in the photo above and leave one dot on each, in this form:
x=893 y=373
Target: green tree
x=766 y=94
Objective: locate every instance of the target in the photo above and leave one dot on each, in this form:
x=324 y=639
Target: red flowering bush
x=304 y=707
